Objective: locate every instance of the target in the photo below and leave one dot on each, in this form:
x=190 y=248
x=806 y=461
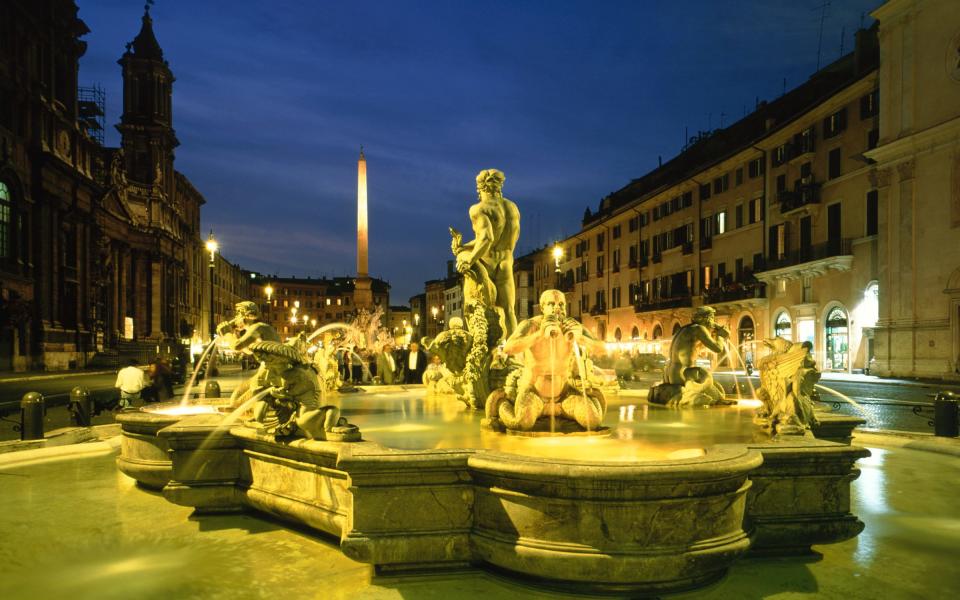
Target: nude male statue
x=544 y=389
x=683 y=350
x=496 y=228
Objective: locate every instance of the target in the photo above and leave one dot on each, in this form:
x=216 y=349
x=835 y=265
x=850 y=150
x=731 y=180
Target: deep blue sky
x=570 y=99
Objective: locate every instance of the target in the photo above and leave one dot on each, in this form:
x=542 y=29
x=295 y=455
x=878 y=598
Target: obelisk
x=362 y=291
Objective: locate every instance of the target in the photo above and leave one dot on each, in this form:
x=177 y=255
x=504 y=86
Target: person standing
x=387 y=366
x=130 y=382
x=414 y=363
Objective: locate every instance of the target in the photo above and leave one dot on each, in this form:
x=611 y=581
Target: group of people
x=155 y=384
x=395 y=366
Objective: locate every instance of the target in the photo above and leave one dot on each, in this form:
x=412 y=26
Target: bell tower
x=146 y=125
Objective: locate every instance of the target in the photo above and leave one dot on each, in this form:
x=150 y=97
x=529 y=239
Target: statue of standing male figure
x=487 y=261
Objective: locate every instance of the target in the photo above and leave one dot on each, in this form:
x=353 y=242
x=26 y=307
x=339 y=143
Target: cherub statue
x=552 y=345
x=292 y=402
x=787 y=379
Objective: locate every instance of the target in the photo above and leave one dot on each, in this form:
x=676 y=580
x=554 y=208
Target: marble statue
x=242 y=331
x=787 y=379
x=489 y=257
x=684 y=383
x=552 y=381
x=292 y=405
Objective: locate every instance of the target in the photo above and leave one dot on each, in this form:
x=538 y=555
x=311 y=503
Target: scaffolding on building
x=91 y=111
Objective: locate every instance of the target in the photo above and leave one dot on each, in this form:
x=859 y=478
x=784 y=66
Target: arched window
x=616 y=334
x=657 y=332
x=676 y=328
x=783 y=327
x=635 y=333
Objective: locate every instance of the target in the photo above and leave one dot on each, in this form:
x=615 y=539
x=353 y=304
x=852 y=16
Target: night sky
x=572 y=100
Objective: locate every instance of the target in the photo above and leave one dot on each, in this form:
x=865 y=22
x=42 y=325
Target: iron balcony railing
x=838 y=247
x=801 y=195
x=733 y=292
x=663 y=303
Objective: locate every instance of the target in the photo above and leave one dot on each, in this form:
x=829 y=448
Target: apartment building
x=768 y=220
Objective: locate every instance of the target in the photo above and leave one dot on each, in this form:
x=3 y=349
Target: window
x=835 y=123
x=720 y=222
x=633 y=224
x=738 y=270
x=644 y=219
x=601 y=300
x=781 y=183
x=739 y=213
x=806 y=170
x=873 y=138
x=599 y=242
x=755 y=207
x=834 y=164
x=803 y=142
x=780 y=155
x=738 y=178
x=687 y=199
x=782 y=328
x=721 y=184
x=633 y=256
x=873 y=198
x=705 y=278
x=600 y=266
x=616 y=260
x=615 y=232
x=756 y=167
x=869 y=104
x=615 y=298
x=6 y=218
x=705 y=191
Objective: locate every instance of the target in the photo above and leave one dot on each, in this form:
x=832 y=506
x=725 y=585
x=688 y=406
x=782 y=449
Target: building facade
x=916 y=176
x=96 y=243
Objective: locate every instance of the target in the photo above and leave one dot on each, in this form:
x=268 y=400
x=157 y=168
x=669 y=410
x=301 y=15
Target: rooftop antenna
x=823 y=8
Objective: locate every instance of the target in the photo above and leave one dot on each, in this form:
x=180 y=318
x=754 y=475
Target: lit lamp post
x=212 y=247
x=557 y=255
x=268 y=291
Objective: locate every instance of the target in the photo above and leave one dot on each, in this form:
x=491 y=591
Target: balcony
x=598 y=309
x=663 y=304
x=706 y=243
x=805 y=191
x=657 y=258
x=734 y=292
x=644 y=261
x=688 y=248
x=632 y=264
x=830 y=249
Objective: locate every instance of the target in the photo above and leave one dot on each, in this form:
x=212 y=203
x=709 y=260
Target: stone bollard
x=945 y=415
x=81 y=406
x=32 y=409
x=211 y=390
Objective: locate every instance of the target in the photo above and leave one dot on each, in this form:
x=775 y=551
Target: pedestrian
x=161 y=376
x=387 y=365
x=415 y=363
x=130 y=381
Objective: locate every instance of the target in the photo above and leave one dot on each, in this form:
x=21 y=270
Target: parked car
x=649 y=362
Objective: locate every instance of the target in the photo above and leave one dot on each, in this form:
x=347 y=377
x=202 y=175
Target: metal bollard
x=81 y=406
x=945 y=415
x=211 y=390
x=32 y=409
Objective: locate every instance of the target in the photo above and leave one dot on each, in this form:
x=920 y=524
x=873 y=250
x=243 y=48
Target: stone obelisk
x=362 y=291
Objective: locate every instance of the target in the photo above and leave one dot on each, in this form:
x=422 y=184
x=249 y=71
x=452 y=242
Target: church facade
x=99 y=247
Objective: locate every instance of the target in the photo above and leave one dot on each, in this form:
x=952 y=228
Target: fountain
x=654 y=500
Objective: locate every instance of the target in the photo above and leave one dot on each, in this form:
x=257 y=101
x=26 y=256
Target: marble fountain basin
x=668 y=501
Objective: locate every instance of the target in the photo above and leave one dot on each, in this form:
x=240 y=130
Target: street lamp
x=557 y=253
x=212 y=247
